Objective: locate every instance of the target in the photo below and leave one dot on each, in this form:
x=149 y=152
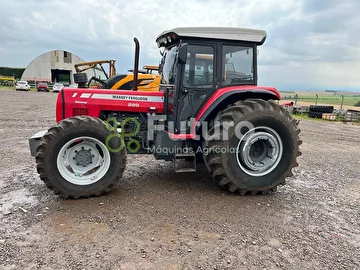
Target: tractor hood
x=78 y=101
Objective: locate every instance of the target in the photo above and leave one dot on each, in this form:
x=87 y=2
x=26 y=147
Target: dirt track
x=156 y=219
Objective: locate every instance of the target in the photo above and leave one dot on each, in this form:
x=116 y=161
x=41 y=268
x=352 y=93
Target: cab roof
x=224 y=33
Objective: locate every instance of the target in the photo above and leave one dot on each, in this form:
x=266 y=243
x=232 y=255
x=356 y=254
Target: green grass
x=301 y=116
x=306 y=117
x=12 y=88
x=7 y=87
x=348 y=101
x=350 y=98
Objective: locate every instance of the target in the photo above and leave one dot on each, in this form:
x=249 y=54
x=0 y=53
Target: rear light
x=80 y=111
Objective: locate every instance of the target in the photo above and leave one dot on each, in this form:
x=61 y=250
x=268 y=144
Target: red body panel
x=97 y=100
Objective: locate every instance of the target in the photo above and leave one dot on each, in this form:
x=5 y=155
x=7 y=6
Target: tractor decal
x=129 y=97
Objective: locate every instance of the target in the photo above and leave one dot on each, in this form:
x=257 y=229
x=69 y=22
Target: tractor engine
x=132 y=127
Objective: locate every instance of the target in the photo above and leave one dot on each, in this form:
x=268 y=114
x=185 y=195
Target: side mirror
x=183 y=53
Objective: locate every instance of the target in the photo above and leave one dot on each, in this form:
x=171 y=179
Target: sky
x=310 y=45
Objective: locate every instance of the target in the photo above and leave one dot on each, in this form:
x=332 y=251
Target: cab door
x=197 y=84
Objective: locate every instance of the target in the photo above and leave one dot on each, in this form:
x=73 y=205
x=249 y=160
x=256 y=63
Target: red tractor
x=208 y=109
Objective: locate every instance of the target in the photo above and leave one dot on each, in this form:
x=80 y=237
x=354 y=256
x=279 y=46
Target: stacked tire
x=316 y=111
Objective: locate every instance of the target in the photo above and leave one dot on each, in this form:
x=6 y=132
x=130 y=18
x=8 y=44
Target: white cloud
x=310 y=44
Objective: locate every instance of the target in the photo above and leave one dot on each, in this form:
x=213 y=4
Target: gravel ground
x=157 y=219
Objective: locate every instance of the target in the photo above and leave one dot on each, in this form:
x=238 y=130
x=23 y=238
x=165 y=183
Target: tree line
x=8 y=71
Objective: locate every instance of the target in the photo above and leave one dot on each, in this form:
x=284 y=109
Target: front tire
x=80 y=157
x=256 y=147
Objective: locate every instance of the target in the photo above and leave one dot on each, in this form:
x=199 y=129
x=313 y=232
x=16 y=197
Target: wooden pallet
x=329 y=116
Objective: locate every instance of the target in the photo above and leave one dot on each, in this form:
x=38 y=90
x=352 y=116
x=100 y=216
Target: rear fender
x=213 y=107
x=222 y=98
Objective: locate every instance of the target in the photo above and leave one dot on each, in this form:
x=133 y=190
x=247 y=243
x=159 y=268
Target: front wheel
x=253 y=147
x=80 y=157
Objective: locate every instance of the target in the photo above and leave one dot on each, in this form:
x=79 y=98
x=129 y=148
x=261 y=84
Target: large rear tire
x=80 y=157
x=255 y=149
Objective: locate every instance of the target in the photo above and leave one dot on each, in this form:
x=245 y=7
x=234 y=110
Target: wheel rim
x=83 y=161
x=259 y=151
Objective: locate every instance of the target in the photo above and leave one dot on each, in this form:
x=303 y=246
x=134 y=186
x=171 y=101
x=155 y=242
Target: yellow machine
x=148 y=77
x=148 y=80
x=81 y=67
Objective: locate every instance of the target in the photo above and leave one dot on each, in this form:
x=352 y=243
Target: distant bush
x=8 y=71
x=357 y=104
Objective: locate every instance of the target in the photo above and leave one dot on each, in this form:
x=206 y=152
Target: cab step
x=185 y=162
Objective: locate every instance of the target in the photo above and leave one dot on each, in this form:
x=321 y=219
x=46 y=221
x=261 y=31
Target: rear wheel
x=80 y=157
x=254 y=147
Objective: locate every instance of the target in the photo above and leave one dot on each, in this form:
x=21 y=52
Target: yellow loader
x=148 y=77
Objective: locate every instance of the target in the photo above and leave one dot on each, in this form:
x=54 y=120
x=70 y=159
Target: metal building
x=53 y=66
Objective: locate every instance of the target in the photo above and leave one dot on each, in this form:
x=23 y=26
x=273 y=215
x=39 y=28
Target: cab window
x=237 y=65
x=199 y=67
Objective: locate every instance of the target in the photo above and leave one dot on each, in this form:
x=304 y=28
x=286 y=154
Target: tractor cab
x=197 y=62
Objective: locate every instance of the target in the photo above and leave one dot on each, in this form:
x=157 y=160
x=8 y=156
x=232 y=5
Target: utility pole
x=342 y=101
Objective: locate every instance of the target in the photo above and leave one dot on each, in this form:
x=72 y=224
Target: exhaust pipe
x=136 y=64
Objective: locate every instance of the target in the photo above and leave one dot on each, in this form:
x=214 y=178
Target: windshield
x=168 y=63
x=238 y=65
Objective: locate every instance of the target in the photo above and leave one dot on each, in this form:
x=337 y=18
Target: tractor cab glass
x=237 y=67
x=168 y=65
x=199 y=67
